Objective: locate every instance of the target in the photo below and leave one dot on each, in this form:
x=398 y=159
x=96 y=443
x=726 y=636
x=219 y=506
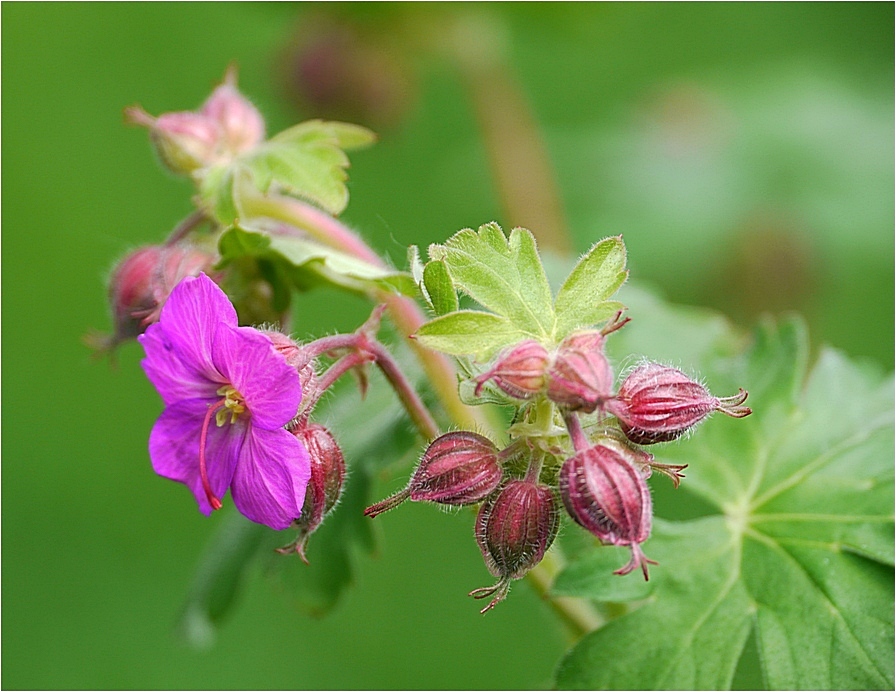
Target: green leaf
x=439 y=288
x=504 y=275
x=469 y=332
x=583 y=298
x=799 y=549
x=307 y=161
x=310 y=263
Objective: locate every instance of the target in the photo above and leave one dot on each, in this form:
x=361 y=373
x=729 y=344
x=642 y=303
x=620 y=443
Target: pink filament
x=213 y=501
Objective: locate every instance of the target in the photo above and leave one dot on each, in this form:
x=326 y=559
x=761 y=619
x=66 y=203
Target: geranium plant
x=549 y=412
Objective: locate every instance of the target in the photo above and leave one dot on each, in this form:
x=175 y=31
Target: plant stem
x=366 y=349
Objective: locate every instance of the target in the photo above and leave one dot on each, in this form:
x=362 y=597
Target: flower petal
x=174 y=378
x=190 y=317
x=270 y=387
x=174 y=449
x=269 y=484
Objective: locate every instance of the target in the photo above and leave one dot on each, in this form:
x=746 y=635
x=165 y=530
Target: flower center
x=232 y=405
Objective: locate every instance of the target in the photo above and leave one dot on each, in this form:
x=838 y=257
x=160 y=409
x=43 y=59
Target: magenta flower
x=228 y=394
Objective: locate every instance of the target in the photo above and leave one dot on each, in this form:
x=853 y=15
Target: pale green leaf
x=503 y=275
x=469 y=332
x=583 y=299
x=439 y=288
x=310 y=263
x=307 y=161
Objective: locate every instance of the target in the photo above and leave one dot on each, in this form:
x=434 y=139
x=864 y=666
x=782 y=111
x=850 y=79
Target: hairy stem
x=365 y=349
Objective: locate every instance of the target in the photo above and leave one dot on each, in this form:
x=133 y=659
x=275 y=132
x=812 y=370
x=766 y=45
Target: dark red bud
x=607 y=494
x=458 y=468
x=514 y=529
x=324 y=486
x=657 y=403
x=519 y=371
x=580 y=378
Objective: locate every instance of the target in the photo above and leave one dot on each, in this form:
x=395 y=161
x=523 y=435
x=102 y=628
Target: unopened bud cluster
x=576 y=445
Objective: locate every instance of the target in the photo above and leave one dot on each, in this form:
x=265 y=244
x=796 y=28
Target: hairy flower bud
x=240 y=123
x=458 y=468
x=324 y=487
x=657 y=403
x=519 y=371
x=184 y=141
x=514 y=529
x=141 y=282
x=606 y=494
x=580 y=377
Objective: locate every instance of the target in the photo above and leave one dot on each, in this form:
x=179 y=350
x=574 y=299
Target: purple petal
x=174 y=449
x=269 y=385
x=175 y=379
x=190 y=317
x=269 y=483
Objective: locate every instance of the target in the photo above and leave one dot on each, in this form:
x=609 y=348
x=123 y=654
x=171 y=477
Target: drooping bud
x=580 y=378
x=140 y=284
x=657 y=403
x=459 y=468
x=324 y=486
x=241 y=124
x=606 y=494
x=519 y=371
x=514 y=529
x=184 y=141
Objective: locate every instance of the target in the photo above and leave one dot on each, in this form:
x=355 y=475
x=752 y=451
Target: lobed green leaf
x=504 y=275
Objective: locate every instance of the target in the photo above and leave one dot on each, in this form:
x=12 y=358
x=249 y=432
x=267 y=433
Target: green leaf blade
x=469 y=332
x=583 y=299
x=439 y=288
x=503 y=276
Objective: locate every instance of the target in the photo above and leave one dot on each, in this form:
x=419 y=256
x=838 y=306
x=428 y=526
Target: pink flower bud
x=184 y=141
x=141 y=282
x=607 y=495
x=657 y=403
x=240 y=122
x=580 y=378
x=324 y=487
x=458 y=468
x=514 y=529
x=519 y=371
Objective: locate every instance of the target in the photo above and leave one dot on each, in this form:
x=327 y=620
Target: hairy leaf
x=504 y=275
x=583 y=299
x=469 y=332
x=799 y=550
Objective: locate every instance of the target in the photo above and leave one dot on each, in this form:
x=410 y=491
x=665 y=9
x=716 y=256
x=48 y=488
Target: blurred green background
x=745 y=151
